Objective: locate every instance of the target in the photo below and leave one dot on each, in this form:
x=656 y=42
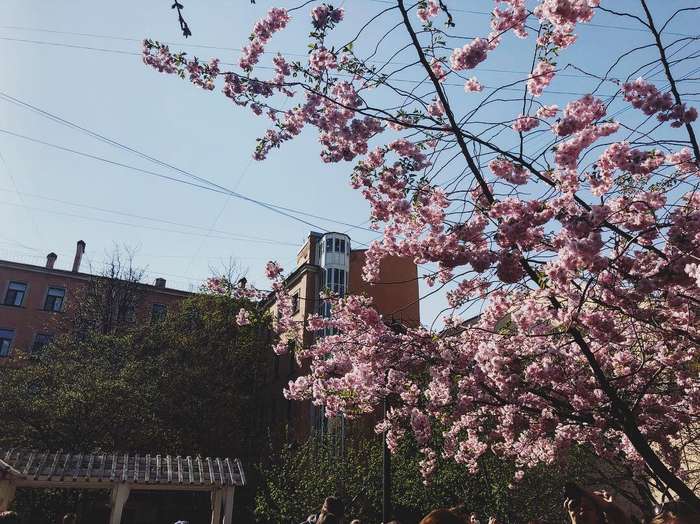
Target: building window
x=295 y=303
x=158 y=312
x=6 y=337
x=15 y=294
x=329 y=245
x=340 y=245
x=40 y=342
x=126 y=313
x=54 y=299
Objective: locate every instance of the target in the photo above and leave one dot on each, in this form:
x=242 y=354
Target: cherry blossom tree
x=573 y=229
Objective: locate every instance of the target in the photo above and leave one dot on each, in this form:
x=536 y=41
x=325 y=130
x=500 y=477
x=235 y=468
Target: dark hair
x=335 y=506
x=70 y=518
x=328 y=518
x=9 y=517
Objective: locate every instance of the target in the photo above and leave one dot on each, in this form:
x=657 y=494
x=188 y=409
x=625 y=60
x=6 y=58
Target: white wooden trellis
x=122 y=473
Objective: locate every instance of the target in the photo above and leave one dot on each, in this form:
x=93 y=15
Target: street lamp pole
x=386 y=475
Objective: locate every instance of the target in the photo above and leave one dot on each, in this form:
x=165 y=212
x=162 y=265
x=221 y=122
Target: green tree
x=296 y=482
x=186 y=385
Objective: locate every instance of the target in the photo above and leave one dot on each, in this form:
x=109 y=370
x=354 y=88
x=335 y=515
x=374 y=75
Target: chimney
x=160 y=282
x=51 y=260
x=79 y=252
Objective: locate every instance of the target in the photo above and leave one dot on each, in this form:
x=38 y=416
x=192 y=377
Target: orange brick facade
x=36 y=314
x=395 y=296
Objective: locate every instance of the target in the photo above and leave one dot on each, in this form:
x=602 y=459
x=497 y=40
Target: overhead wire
x=234 y=236
x=204 y=183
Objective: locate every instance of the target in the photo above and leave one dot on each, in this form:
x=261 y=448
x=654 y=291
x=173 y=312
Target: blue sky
x=44 y=191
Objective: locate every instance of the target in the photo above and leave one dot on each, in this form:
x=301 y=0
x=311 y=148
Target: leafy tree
x=297 y=480
x=186 y=385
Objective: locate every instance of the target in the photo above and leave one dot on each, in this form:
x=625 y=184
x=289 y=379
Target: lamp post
x=386 y=474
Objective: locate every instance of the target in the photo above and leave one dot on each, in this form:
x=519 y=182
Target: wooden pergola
x=122 y=473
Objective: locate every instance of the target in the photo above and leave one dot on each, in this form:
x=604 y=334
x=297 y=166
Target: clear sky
x=50 y=198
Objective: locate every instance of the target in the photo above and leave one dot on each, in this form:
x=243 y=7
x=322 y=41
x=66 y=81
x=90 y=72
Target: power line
x=237 y=49
x=233 y=236
x=128 y=224
x=400 y=80
x=585 y=24
x=209 y=187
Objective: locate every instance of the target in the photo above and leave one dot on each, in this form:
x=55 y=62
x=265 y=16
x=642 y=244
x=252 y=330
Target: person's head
x=8 y=517
x=592 y=507
x=70 y=518
x=442 y=516
x=355 y=521
x=333 y=505
x=328 y=518
x=675 y=513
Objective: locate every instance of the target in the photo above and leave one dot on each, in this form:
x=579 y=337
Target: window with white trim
x=54 y=299
x=16 y=292
x=6 y=338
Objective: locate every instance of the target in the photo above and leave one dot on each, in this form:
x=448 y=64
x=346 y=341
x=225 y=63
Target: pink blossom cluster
x=472 y=85
x=159 y=57
x=525 y=123
x=563 y=15
x=683 y=161
x=243 y=317
x=506 y=170
x=548 y=111
x=276 y=20
x=541 y=76
x=645 y=96
x=471 y=55
x=322 y=59
x=324 y=15
x=431 y=10
x=578 y=114
x=509 y=15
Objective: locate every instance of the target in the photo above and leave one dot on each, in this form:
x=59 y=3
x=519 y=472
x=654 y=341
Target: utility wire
x=398 y=80
x=271 y=207
x=233 y=236
x=586 y=24
x=202 y=46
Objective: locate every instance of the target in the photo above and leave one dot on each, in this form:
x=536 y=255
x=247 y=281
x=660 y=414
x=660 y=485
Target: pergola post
x=216 y=500
x=119 y=495
x=228 y=505
x=7 y=494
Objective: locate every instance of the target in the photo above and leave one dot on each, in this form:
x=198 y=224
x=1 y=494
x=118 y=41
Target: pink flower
x=507 y=170
x=579 y=114
x=548 y=111
x=431 y=10
x=683 y=160
x=438 y=70
x=469 y=56
x=243 y=317
x=436 y=109
x=263 y=30
x=541 y=77
x=322 y=59
x=273 y=270
x=524 y=123
x=645 y=96
x=323 y=16
x=472 y=85
x=511 y=17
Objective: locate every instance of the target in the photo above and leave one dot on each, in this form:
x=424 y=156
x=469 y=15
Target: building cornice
x=83 y=277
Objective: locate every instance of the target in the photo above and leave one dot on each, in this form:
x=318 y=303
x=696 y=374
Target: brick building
x=35 y=301
x=327 y=261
